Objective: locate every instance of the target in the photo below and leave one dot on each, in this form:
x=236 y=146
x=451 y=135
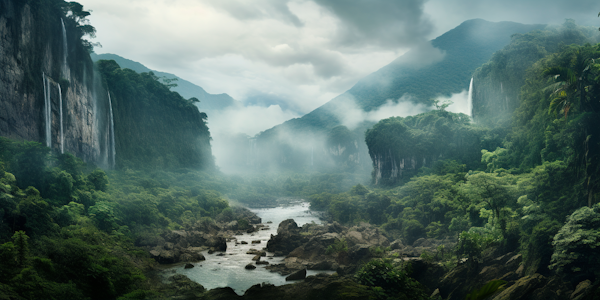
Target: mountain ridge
x=369 y=96
x=185 y=88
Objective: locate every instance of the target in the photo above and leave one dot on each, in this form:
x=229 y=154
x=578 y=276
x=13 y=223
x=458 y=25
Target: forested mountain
x=153 y=126
x=465 y=49
x=497 y=83
x=534 y=185
x=208 y=102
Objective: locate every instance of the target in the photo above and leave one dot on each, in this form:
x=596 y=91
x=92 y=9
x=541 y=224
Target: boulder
x=165 y=256
x=581 y=290
x=191 y=257
x=397 y=245
x=522 y=288
x=358 y=252
x=301 y=274
x=250 y=267
x=287 y=239
x=217 y=243
x=195 y=239
x=322 y=265
x=188 y=266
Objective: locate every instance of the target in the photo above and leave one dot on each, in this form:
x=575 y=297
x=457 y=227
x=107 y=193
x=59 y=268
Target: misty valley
x=468 y=167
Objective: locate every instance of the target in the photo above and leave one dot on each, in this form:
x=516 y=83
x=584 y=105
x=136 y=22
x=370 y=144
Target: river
x=220 y=270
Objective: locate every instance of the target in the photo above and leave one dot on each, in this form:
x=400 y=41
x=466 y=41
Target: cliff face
x=45 y=73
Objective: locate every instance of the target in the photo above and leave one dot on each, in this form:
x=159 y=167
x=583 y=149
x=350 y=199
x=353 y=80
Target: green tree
x=21 y=247
x=576 y=245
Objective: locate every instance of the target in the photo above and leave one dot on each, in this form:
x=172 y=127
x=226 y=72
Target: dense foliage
x=398 y=145
x=511 y=187
x=69 y=231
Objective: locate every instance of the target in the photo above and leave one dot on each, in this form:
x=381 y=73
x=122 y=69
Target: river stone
x=262 y=262
x=188 y=266
x=256 y=257
x=297 y=275
x=250 y=267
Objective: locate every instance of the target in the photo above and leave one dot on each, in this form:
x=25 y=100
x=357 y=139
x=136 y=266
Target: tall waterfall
x=112 y=153
x=65 y=52
x=470 y=99
x=60 y=112
x=47 y=111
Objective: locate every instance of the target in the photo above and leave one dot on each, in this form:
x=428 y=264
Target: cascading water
x=47 y=111
x=60 y=112
x=470 y=99
x=113 y=153
x=65 y=52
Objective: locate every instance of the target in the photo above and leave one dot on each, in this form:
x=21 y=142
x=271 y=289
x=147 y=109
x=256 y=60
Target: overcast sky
x=298 y=52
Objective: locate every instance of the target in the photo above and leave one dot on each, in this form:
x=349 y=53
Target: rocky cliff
x=49 y=91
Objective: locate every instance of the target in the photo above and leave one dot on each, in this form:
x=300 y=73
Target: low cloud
x=351 y=115
x=242 y=121
x=459 y=102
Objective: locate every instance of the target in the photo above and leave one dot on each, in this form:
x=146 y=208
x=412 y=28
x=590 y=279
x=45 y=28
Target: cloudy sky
x=298 y=53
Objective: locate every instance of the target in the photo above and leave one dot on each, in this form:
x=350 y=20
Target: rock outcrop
x=32 y=50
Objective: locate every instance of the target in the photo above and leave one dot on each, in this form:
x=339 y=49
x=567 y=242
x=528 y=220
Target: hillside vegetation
x=523 y=187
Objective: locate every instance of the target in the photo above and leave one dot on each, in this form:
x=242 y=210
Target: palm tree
x=577 y=86
x=572 y=83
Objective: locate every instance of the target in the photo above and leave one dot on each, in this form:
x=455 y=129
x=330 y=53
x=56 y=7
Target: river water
x=220 y=270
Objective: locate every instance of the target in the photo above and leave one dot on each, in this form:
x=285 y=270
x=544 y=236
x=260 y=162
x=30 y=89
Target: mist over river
x=228 y=270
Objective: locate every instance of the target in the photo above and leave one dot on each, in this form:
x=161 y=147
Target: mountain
x=208 y=102
x=464 y=48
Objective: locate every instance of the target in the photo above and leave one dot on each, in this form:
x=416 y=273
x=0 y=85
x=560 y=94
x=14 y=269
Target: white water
x=65 y=52
x=470 y=99
x=113 y=153
x=222 y=271
x=60 y=110
x=47 y=111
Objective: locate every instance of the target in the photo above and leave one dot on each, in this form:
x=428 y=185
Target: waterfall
x=111 y=132
x=65 y=52
x=470 y=99
x=60 y=112
x=47 y=111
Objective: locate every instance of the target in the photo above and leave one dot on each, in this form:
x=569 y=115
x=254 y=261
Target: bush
x=576 y=245
x=394 y=280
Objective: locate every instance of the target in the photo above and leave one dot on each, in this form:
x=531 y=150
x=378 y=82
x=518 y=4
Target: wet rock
x=191 y=257
x=287 y=239
x=217 y=243
x=225 y=293
x=397 y=245
x=262 y=262
x=522 y=288
x=581 y=290
x=256 y=258
x=188 y=266
x=256 y=242
x=250 y=267
x=297 y=275
x=256 y=252
x=244 y=243
x=323 y=265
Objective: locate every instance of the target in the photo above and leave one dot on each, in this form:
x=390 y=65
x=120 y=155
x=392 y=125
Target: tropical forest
x=113 y=185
